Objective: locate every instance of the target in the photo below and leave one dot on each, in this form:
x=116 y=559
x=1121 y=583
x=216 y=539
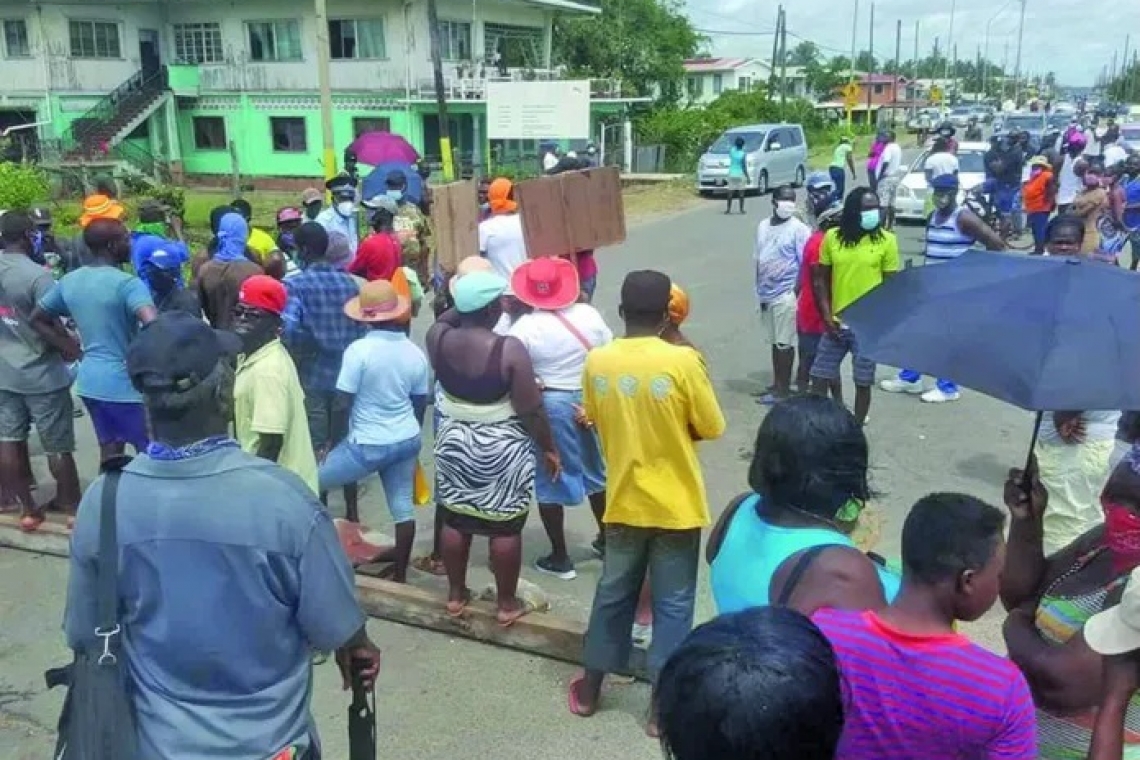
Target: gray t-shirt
x=28 y=365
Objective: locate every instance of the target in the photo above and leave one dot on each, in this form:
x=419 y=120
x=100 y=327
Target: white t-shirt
x=891 y=160
x=501 y=242
x=549 y=161
x=940 y=164
x=1099 y=426
x=1068 y=184
x=777 y=256
x=557 y=354
x=1114 y=154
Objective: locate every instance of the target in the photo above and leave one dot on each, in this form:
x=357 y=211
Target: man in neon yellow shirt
x=651 y=401
x=260 y=241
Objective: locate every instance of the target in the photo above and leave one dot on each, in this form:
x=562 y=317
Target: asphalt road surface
x=441 y=697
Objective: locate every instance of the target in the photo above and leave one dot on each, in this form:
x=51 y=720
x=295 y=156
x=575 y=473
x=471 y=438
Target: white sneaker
x=939 y=396
x=641 y=634
x=897 y=385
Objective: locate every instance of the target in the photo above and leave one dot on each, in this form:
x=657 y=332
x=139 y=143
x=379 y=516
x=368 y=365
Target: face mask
x=1035 y=171
x=255 y=333
x=1122 y=536
x=346 y=208
x=485 y=208
x=1092 y=181
x=396 y=195
x=785 y=209
x=287 y=240
x=943 y=201
x=312 y=210
x=869 y=220
x=161 y=281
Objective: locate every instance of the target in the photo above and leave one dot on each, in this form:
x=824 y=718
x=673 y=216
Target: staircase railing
x=142 y=161
x=141 y=86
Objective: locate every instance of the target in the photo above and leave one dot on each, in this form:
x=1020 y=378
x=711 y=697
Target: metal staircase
x=97 y=138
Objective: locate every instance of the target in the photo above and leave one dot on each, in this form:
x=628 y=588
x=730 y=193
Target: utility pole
x=783 y=29
x=775 y=55
x=871 y=60
x=898 y=58
x=440 y=94
x=914 y=74
x=325 y=85
x=854 y=37
x=1017 y=64
x=949 y=42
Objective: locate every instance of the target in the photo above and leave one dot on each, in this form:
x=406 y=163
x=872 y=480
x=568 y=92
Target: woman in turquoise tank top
x=809 y=481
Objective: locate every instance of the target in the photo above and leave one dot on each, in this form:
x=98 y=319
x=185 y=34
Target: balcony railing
x=469 y=82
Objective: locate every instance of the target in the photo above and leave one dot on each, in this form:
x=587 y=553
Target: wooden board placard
x=572 y=211
x=455 y=223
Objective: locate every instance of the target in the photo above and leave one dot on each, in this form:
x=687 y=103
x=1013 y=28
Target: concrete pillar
x=627 y=145
x=476 y=140
x=170 y=121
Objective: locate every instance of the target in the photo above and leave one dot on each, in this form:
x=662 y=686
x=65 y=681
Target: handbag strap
x=107 y=577
x=573 y=330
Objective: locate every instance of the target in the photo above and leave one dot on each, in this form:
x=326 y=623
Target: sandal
x=430 y=565
x=573 y=701
x=457 y=607
x=30 y=523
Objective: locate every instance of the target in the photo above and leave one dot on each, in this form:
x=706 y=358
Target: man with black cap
x=650 y=401
x=58 y=255
x=249 y=612
x=341 y=216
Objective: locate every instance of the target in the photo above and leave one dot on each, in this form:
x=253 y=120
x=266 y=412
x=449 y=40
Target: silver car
x=775 y=154
x=1130 y=134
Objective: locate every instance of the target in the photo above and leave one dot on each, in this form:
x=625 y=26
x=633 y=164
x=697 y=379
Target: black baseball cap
x=40 y=216
x=176 y=352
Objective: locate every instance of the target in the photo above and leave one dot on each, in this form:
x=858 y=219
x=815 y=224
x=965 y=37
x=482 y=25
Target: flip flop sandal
x=572 y=701
x=457 y=608
x=31 y=523
x=427 y=564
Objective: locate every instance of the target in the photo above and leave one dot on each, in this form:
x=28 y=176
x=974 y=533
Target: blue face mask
x=38 y=241
x=396 y=195
x=869 y=220
x=287 y=240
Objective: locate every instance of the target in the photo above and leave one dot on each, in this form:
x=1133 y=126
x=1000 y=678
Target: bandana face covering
x=1121 y=536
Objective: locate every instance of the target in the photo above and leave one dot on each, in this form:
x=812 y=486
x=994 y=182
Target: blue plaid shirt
x=316 y=329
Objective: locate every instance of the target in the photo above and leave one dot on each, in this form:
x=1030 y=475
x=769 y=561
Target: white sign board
x=538 y=110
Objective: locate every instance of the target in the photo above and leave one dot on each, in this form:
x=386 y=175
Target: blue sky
x=1067 y=37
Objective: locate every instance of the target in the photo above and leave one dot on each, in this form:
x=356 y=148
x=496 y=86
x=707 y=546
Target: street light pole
x=986 y=49
x=1017 y=63
x=949 y=41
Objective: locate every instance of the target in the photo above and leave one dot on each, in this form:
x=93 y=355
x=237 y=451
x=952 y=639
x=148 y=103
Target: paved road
x=442 y=697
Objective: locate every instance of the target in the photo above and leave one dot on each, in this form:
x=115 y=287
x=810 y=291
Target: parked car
x=910 y=198
x=776 y=154
x=1130 y=134
x=924 y=120
x=960 y=116
x=1036 y=124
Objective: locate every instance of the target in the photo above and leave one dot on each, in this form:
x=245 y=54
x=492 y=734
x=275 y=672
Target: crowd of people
x=254 y=377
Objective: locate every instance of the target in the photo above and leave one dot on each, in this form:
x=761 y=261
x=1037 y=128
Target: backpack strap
x=107 y=576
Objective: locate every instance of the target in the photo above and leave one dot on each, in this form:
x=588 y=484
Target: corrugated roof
x=698 y=65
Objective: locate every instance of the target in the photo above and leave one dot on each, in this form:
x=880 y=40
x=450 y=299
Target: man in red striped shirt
x=917 y=689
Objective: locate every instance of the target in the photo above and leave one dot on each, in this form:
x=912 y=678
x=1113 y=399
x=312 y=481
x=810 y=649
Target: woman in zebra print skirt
x=491 y=418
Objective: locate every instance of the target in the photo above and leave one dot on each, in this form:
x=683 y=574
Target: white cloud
x=1073 y=39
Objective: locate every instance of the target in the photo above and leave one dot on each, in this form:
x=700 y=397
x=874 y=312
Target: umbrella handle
x=1028 y=472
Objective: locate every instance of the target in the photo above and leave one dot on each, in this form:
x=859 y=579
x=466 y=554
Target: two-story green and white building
x=166 y=86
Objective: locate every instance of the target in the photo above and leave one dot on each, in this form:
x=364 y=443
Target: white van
x=775 y=154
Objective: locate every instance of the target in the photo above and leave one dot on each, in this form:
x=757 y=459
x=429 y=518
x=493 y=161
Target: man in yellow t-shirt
x=650 y=401
x=854 y=259
x=260 y=241
x=269 y=405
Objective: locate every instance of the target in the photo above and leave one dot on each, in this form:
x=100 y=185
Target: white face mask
x=346 y=208
x=785 y=209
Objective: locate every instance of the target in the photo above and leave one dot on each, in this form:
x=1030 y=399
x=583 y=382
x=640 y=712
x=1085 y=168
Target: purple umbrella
x=375 y=148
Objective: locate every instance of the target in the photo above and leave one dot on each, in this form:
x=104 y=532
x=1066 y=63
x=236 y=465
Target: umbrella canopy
x=375 y=148
x=376 y=182
x=1040 y=332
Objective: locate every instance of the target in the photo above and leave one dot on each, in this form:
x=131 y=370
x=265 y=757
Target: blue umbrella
x=1040 y=332
x=376 y=182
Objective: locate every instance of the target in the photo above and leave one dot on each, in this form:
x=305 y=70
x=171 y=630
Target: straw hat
x=378 y=302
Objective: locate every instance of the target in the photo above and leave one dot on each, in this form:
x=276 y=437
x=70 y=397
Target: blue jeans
x=1038 y=225
x=671 y=558
x=839 y=177
x=395 y=463
x=910 y=376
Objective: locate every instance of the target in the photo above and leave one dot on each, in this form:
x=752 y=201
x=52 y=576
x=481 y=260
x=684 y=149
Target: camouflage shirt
x=413 y=230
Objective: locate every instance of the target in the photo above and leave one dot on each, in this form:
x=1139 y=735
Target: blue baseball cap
x=476 y=290
x=944 y=182
x=164 y=259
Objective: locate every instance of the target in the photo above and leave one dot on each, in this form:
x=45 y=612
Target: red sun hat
x=546 y=283
x=263 y=292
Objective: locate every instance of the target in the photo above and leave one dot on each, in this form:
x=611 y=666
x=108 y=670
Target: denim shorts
x=51 y=413
x=831 y=353
x=583 y=470
x=395 y=463
x=118 y=422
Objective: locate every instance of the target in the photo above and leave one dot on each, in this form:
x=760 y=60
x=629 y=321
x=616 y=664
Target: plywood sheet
x=455 y=223
x=544 y=217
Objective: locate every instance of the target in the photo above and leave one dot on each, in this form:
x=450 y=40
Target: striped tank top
x=1058 y=618
x=944 y=240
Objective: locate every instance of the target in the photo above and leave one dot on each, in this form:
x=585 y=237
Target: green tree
x=824 y=78
x=644 y=43
x=804 y=54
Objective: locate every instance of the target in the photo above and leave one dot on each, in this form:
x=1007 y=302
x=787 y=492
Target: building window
x=718 y=84
x=288 y=134
x=16 y=39
x=198 y=43
x=744 y=84
x=274 y=40
x=210 y=133
x=513 y=46
x=455 y=40
x=878 y=89
x=95 y=39
x=357 y=39
x=696 y=86
x=369 y=124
